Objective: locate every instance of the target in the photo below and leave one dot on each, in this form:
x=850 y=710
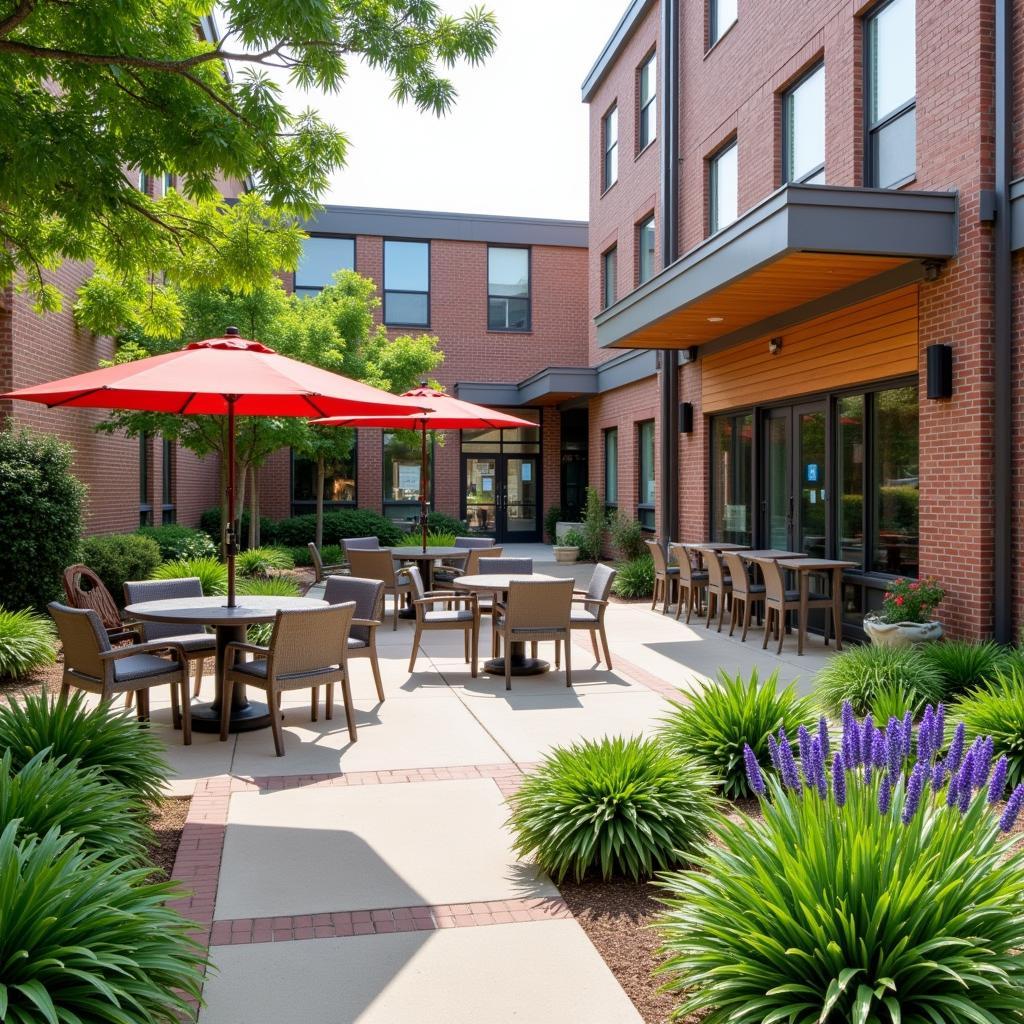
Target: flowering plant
x=912 y=600
x=876 y=887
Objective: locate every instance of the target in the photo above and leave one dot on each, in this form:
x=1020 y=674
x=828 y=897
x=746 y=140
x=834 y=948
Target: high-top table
x=498 y=583
x=805 y=568
x=229 y=625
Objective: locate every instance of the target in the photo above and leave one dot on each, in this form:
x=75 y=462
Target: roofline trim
x=616 y=41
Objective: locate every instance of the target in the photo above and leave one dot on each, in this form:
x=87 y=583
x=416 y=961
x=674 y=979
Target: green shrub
x=996 y=709
x=552 y=518
x=595 y=526
x=853 y=900
x=210 y=520
x=273 y=586
x=635 y=578
x=119 y=557
x=331 y=554
x=438 y=522
x=179 y=541
x=339 y=524
x=857 y=675
x=259 y=562
x=964 y=664
x=28 y=640
x=434 y=538
x=89 y=940
x=47 y=794
x=573 y=539
x=724 y=717
x=124 y=754
x=40 y=517
x=212 y=573
x=620 y=806
x=893 y=701
x=627 y=536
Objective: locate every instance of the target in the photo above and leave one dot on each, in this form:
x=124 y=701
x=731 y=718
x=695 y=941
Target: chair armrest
x=372 y=623
x=447 y=595
x=589 y=600
x=149 y=648
x=436 y=597
x=238 y=645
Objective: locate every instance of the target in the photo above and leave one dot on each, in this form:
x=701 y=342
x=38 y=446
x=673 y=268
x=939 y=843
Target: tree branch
x=17 y=16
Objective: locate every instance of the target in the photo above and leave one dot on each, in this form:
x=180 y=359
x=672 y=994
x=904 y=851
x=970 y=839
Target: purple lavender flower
x=773 y=753
x=894 y=746
x=851 y=750
x=938 y=776
x=867 y=773
x=939 y=728
x=823 y=738
x=1013 y=806
x=964 y=799
x=754 y=776
x=818 y=778
x=878 y=756
x=997 y=786
x=924 y=737
x=983 y=762
x=885 y=795
x=953 y=793
x=914 y=789
x=838 y=780
x=956 y=748
x=804 y=741
x=790 y=777
x=908 y=734
x=867 y=738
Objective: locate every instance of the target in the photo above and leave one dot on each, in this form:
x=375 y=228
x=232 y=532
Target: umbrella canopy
x=443 y=413
x=229 y=376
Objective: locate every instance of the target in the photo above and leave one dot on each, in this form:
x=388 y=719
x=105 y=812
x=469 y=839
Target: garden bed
x=167 y=819
x=47 y=677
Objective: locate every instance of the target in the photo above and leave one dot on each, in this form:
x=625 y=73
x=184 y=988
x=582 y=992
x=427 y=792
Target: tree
x=91 y=91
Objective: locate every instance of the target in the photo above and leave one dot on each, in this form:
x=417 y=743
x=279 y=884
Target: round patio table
x=229 y=625
x=425 y=561
x=498 y=583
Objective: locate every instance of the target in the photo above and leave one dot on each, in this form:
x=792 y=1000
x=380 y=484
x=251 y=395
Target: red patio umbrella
x=229 y=376
x=444 y=413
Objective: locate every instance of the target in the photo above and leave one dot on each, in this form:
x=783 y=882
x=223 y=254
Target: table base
x=254 y=715
x=521 y=666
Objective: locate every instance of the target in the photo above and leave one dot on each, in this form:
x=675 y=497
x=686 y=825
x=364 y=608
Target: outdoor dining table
x=769 y=554
x=425 y=560
x=229 y=625
x=498 y=583
x=713 y=545
x=807 y=567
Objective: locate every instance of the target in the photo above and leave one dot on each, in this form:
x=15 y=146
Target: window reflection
x=339 y=481
x=895 y=483
x=732 y=451
x=851 y=479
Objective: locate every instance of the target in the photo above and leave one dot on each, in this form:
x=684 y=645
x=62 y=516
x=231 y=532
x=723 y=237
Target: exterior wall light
x=688 y=355
x=774 y=346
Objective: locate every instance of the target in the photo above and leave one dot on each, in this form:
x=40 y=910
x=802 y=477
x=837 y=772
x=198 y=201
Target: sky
x=516 y=141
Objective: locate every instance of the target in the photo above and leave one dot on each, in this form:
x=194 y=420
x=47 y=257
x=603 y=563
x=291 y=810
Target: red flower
x=915 y=586
x=899 y=600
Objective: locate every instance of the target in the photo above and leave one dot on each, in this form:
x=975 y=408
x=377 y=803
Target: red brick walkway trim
x=386 y=920
x=638 y=674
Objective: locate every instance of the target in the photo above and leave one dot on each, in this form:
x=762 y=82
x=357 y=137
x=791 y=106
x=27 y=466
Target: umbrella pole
x=424 y=483
x=230 y=537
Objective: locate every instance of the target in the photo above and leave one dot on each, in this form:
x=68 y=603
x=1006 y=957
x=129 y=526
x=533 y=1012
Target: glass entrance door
x=480 y=493
x=501 y=497
x=519 y=504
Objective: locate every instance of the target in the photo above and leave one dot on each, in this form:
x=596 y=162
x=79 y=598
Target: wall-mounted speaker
x=685 y=417
x=940 y=371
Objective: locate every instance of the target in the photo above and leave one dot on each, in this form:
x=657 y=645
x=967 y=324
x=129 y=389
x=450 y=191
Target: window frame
x=168 y=505
x=302 y=506
x=409 y=503
x=611 y=151
x=731 y=144
x=787 y=115
x=529 y=291
x=638 y=233
x=714 y=37
x=609 y=256
x=144 y=183
x=646 y=512
x=607 y=435
x=385 y=291
x=317 y=288
x=642 y=107
x=145 y=472
x=872 y=130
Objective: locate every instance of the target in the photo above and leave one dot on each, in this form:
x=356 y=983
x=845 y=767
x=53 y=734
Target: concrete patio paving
x=374 y=882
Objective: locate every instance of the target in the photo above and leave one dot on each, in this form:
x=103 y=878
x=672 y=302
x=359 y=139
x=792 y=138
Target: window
x=732 y=451
x=721 y=17
x=890 y=63
x=610 y=143
x=339 y=479
x=402 y=469
x=508 y=289
x=145 y=182
x=894 y=481
x=321 y=258
x=167 y=182
x=647 y=125
x=850 y=476
x=645 y=474
x=169 y=512
x=611 y=467
x=145 y=502
x=407 y=283
x=803 y=129
x=723 y=191
x=609 y=282
x=645 y=250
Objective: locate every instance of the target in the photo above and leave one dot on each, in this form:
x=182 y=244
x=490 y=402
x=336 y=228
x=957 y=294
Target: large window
x=645 y=250
x=890 y=60
x=508 y=289
x=339 y=481
x=145 y=470
x=646 y=495
x=723 y=187
x=321 y=258
x=894 y=481
x=647 y=124
x=609 y=277
x=721 y=17
x=803 y=129
x=850 y=475
x=402 y=471
x=169 y=511
x=732 y=452
x=610 y=145
x=407 y=283
x=611 y=467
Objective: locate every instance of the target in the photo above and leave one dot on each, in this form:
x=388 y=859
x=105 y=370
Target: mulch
x=167 y=819
x=49 y=676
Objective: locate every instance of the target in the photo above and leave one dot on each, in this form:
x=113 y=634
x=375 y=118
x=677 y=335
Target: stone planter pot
x=901 y=634
x=566 y=554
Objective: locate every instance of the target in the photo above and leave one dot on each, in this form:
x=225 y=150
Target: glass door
x=519 y=504
x=480 y=493
x=778 y=479
x=501 y=497
x=812 y=518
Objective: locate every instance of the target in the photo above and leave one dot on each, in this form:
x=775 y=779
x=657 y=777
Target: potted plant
x=568 y=549
x=907 y=614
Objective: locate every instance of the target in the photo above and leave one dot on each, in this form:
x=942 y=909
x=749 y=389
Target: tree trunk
x=321 y=473
x=254 y=514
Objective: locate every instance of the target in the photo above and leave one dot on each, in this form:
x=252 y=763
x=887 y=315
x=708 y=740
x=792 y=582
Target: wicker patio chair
x=497 y=566
x=666 y=577
x=320 y=571
x=779 y=600
x=361 y=544
x=744 y=592
x=368 y=598
x=84 y=589
x=307 y=648
x=719 y=588
x=198 y=645
x=595 y=602
x=537 y=610
x=469 y=567
x=368 y=564
x=429 y=616
x=91 y=664
x=692 y=582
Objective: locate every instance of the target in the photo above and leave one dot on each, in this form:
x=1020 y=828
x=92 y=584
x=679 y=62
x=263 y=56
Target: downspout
x=668 y=63
x=1002 y=574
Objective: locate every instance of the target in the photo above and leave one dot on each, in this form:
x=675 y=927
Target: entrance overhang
x=806 y=248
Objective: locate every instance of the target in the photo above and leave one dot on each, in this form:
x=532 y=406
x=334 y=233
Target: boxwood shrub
x=338 y=525
x=118 y=557
x=177 y=541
